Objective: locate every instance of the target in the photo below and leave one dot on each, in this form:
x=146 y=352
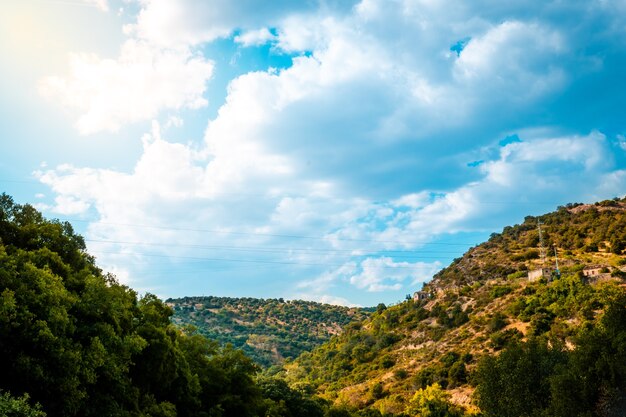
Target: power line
x=261 y=261
x=268 y=249
x=324 y=238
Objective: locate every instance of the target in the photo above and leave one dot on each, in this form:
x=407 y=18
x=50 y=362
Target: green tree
x=515 y=383
x=18 y=407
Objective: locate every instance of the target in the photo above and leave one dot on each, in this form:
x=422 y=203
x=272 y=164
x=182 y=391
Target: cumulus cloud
x=380 y=274
x=514 y=57
x=255 y=37
x=190 y=22
x=364 y=145
x=136 y=86
x=175 y=188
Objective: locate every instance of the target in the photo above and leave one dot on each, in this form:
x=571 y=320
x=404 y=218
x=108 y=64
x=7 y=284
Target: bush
x=432 y=401
x=400 y=374
x=387 y=362
x=517 y=275
x=497 y=322
x=501 y=339
x=457 y=374
x=378 y=391
x=526 y=256
x=541 y=322
x=499 y=291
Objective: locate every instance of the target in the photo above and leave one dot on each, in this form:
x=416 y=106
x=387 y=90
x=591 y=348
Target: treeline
x=75 y=342
x=267 y=330
x=601 y=226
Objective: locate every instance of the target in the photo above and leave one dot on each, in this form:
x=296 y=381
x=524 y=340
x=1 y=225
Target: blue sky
x=330 y=150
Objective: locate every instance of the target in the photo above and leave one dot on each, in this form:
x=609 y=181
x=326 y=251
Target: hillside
x=582 y=234
x=479 y=306
x=268 y=331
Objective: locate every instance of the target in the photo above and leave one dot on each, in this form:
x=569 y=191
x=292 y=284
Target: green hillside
x=268 y=331
x=479 y=306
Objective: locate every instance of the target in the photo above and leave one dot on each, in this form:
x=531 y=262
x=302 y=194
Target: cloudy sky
x=334 y=150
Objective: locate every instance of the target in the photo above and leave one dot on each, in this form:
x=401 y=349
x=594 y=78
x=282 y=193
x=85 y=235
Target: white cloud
x=328 y=279
x=134 y=87
x=384 y=274
x=533 y=176
x=165 y=171
x=326 y=299
x=516 y=57
x=255 y=37
x=173 y=121
x=121 y=274
x=68 y=205
x=540 y=169
x=191 y=22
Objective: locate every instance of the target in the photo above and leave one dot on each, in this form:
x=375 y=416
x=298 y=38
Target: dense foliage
x=268 y=331
x=18 y=407
x=542 y=378
x=370 y=351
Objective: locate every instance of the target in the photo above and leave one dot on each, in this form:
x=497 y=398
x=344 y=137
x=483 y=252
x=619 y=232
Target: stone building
x=537 y=274
x=421 y=295
x=593 y=270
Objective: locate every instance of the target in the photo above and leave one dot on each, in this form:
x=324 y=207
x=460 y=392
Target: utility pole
x=543 y=250
x=556 y=259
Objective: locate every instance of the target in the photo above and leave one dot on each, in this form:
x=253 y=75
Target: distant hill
x=480 y=305
x=267 y=330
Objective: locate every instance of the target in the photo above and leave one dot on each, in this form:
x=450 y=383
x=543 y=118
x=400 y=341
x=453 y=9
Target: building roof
x=588 y=267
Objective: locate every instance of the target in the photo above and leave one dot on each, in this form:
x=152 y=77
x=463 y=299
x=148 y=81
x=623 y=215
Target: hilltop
x=267 y=330
x=582 y=234
x=480 y=305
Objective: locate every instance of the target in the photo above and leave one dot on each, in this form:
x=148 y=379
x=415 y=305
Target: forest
x=76 y=342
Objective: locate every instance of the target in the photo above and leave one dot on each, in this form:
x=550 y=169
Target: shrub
x=499 y=291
